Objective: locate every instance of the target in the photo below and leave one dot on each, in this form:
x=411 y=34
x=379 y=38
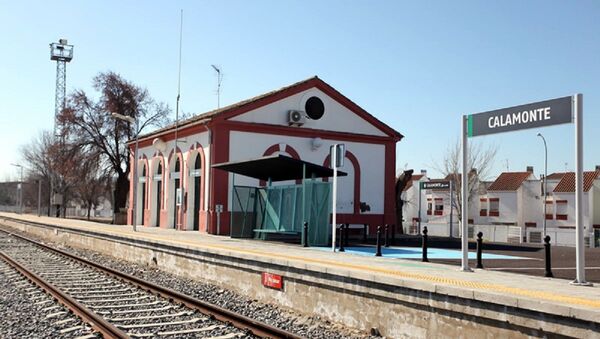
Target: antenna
x=219 y=79
x=507 y=165
x=179 y=77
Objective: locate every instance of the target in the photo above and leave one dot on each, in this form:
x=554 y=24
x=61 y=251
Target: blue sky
x=415 y=65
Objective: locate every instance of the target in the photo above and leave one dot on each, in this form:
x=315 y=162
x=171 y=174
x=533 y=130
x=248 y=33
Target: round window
x=314 y=108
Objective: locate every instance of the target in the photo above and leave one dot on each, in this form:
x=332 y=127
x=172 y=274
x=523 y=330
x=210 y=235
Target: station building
x=300 y=121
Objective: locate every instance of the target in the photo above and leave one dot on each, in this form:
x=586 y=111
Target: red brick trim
x=274 y=149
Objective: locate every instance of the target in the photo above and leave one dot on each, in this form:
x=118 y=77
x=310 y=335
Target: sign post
x=538 y=114
x=337 y=154
x=464 y=183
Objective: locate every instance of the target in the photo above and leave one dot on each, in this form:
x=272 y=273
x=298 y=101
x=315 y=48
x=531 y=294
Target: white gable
x=336 y=118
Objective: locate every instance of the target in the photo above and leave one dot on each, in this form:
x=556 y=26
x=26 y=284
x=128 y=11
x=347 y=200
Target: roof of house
x=509 y=181
x=415 y=177
x=556 y=176
x=263 y=99
x=567 y=183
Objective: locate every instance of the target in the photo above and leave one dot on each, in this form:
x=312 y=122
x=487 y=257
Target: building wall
x=531 y=208
x=337 y=117
x=508 y=207
x=371 y=160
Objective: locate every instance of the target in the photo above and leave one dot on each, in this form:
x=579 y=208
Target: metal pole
x=419 y=217
x=334 y=207
x=135 y=176
x=465 y=198
x=545 y=180
x=39 y=197
x=579 y=241
x=451 y=206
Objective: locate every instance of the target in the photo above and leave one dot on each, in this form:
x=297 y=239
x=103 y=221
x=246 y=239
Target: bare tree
x=90 y=121
x=480 y=161
x=94 y=181
x=404 y=178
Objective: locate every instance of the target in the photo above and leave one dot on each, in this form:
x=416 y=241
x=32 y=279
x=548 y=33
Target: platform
x=546 y=301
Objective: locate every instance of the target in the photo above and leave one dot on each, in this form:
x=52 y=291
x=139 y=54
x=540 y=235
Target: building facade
x=300 y=121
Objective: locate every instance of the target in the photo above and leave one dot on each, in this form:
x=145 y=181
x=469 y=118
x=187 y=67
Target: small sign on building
x=271 y=280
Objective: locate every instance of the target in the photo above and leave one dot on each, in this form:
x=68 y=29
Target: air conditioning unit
x=296 y=118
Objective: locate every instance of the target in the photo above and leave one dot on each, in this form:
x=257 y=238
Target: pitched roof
x=415 y=177
x=567 y=183
x=556 y=176
x=509 y=181
x=261 y=100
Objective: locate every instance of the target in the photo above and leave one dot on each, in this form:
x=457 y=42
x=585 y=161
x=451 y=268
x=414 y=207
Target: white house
x=410 y=208
x=560 y=217
x=300 y=121
x=513 y=199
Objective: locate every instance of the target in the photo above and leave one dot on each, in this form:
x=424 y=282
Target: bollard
x=341 y=238
x=378 y=253
x=387 y=235
x=305 y=235
x=548 y=272
x=346 y=230
x=479 y=249
x=366 y=230
x=425 y=245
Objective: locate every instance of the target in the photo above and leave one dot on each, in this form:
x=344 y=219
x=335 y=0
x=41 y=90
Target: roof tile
x=567 y=183
x=509 y=181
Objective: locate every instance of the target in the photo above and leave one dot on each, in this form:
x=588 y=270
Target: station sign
x=538 y=114
x=272 y=280
x=436 y=185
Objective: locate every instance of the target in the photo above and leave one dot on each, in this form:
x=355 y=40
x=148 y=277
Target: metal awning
x=277 y=168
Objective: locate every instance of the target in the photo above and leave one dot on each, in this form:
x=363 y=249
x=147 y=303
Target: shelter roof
x=277 y=168
x=509 y=181
x=567 y=183
x=264 y=99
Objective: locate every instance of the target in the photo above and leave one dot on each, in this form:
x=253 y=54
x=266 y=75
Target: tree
x=94 y=181
x=89 y=120
x=480 y=161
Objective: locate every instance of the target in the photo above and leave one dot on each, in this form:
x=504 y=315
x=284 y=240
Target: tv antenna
x=219 y=79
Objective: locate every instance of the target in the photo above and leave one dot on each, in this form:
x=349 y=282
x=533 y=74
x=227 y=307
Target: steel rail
x=98 y=323
x=253 y=326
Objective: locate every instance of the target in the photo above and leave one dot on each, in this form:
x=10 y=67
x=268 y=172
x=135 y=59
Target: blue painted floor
x=415 y=253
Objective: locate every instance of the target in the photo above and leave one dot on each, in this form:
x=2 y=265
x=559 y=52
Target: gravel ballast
x=309 y=326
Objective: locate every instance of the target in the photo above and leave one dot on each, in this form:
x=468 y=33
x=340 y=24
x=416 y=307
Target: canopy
x=277 y=168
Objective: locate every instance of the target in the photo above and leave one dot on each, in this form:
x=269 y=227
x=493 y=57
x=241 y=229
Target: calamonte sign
x=538 y=114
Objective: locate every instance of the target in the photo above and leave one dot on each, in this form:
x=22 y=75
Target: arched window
x=177 y=166
x=159 y=169
x=144 y=171
x=197 y=162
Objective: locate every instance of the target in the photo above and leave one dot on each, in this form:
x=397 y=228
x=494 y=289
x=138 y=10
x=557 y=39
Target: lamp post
x=20 y=189
x=132 y=120
x=545 y=178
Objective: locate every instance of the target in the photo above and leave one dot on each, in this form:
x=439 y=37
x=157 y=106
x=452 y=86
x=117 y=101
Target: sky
x=417 y=66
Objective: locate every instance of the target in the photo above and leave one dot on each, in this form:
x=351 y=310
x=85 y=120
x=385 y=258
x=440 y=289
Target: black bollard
x=305 y=235
x=342 y=238
x=479 y=249
x=387 y=235
x=425 y=245
x=378 y=253
x=366 y=230
x=346 y=230
x=548 y=261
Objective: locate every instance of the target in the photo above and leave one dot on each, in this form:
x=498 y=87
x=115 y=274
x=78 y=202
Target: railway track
x=117 y=305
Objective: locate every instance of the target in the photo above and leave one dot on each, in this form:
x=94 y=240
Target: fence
x=562 y=237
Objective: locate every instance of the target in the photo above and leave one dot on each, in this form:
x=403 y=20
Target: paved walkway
x=509 y=288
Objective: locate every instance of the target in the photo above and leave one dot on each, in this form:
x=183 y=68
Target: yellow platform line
x=390 y=272
x=402 y=274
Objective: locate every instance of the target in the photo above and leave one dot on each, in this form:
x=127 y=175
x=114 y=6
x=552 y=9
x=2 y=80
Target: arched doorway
x=141 y=194
x=194 y=193
x=175 y=190
x=157 y=189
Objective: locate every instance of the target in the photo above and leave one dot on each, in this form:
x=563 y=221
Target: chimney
x=597 y=168
x=530 y=169
x=424 y=171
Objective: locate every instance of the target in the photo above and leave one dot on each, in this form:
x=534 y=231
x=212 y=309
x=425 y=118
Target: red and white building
x=560 y=214
x=257 y=127
x=513 y=199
